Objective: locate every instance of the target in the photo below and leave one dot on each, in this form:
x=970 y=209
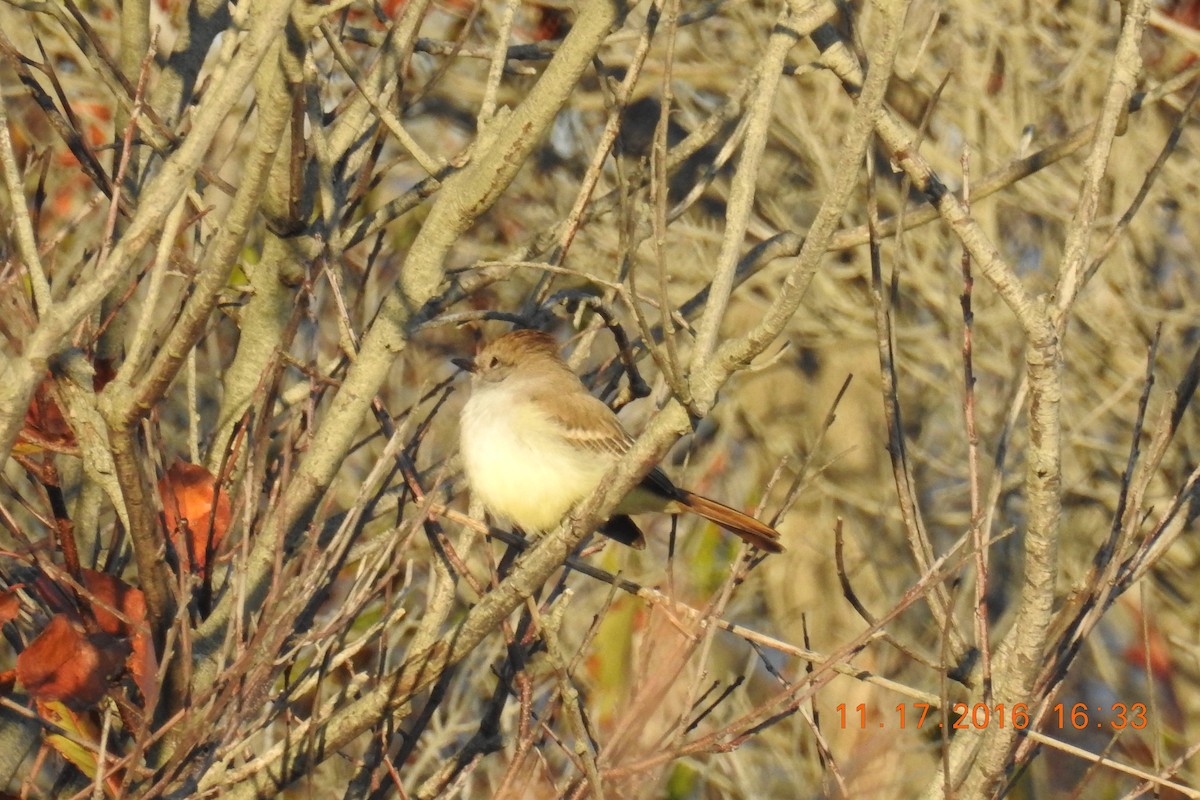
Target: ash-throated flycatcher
x=534 y=443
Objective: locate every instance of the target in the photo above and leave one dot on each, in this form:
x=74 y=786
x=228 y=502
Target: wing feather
x=589 y=424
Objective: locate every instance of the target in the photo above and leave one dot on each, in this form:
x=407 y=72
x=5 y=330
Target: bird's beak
x=465 y=364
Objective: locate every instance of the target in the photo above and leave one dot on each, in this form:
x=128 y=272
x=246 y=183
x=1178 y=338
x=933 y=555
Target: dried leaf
x=114 y=593
x=45 y=427
x=196 y=527
x=10 y=604
x=82 y=728
x=66 y=663
x=131 y=602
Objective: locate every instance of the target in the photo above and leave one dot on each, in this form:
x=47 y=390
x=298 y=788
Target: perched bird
x=535 y=442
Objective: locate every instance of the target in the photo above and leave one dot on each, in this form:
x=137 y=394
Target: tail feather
x=751 y=531
x=621 y=528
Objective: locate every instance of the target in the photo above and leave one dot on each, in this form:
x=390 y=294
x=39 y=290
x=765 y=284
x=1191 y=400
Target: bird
x=535 y=442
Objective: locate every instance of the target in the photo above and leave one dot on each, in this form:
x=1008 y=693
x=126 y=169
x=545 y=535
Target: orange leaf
x=130 y=601
x=1150 y=649
x=392 y=8
x=188 y=492
x=10 y=604
x=541 y=23
x=66 y=663
x=115 y=593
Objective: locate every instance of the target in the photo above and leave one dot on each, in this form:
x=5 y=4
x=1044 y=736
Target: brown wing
x=590 y=424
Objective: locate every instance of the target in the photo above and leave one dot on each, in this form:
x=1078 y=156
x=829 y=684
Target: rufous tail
x=747 y=527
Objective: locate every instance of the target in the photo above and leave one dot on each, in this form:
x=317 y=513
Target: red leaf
x=66 y=663
x=45 y=427
x=104 y=373
x=187 y=492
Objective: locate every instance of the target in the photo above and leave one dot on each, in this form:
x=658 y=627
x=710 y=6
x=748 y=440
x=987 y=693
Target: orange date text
x=918 y=716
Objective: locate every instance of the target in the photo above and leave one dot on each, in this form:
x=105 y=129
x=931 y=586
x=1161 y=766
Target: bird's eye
x=493 y=362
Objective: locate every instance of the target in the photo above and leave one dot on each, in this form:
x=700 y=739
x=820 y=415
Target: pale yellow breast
x=518 y=465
